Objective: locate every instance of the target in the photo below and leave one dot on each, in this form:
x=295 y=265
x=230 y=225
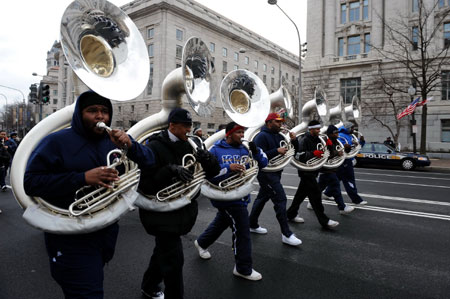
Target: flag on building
x=410 y=109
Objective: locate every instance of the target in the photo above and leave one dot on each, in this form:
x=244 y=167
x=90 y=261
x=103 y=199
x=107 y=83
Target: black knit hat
x=179 y=115
x=332 y=130
x=90 y=98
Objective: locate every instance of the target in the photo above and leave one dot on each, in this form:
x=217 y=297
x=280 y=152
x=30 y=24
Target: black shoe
x=4 y=188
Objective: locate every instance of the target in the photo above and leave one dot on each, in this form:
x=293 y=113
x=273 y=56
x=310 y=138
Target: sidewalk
x=440 y=165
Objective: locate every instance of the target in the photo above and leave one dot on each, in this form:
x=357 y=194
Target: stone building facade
x=165 y=26
x=343 y=41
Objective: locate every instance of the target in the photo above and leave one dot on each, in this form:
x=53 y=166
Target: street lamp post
x=23 y=111
x=243 y=50
x=274 y=2
x=412 y=92
x=6 y=110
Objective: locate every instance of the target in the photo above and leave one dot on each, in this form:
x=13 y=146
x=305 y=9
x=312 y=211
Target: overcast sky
x=29 y=28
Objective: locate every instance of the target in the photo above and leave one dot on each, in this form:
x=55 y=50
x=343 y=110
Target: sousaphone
x=107 y=52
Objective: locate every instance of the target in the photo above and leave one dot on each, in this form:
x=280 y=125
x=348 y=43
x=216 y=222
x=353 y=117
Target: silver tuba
x=193 y=79
x=114 y=63
x=319 y=106
x=280 y=102
x=352 y=113
x=245 y=100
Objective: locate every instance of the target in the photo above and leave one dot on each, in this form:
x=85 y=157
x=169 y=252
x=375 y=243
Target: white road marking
x=404 y=176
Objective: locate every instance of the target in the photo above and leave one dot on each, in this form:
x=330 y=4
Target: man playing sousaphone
x=233 y=213
x=270 y=182
x=166 y=263
x=308 y=186
x=62 y=163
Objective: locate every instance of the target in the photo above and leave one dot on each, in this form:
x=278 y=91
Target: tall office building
x=350 y=51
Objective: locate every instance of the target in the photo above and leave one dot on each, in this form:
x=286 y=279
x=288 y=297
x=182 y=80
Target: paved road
x=395 y=247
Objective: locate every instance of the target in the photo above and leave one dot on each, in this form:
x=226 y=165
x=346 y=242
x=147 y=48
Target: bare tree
x=416 y=44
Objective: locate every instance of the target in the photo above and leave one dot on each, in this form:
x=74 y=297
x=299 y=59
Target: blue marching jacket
x=227 y=154
x=344 y=136
x=55 y=170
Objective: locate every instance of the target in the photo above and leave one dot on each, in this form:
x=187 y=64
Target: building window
x=446 y=35
x=147 y=106
x=150 y=32
x=350 y=88
x=272 y=82
x=236 y=67
x=211 y=126
x=224 y=66
x=55 y=101
x=212 y=47
x=179 y=35
x=415 y=37
x=179 y=52
x=293 y=79
x=353 y=13
x=236 y=56
x=415 y=5
x=445 y=128
x=246 y=60
x=367 y=43
x=150 y=81
x=353 y=46
x=150 y=50
x=366 y=9
x=120 y=109
x=132 y=108
x=224 y=52
x=265 y=67
x=55 y=92
x=264 y=79
x=255 y=64
x=340 y=46
x=177 y=65
x=272 y=70
x=445 y=83
x=343 y=13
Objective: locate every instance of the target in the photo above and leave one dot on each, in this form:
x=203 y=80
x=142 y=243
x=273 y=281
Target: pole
x=6 y=112
x=299 y=63
x=23 y=111
x=413 y=123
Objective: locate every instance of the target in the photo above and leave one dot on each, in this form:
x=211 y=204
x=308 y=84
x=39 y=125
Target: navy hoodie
x=227 y=154
x=56 y=167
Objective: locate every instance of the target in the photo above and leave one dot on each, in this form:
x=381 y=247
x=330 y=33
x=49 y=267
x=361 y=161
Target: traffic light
x=45 y=93
x=33 y=93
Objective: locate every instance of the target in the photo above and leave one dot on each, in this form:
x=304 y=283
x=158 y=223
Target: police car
x=384 y=155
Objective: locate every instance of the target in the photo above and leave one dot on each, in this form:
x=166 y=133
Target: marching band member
x=166 y=263
x=232 y=213
x=270 y=186
x=345 y=172
x=308 y=185
x=328 y=177
x=62 y=163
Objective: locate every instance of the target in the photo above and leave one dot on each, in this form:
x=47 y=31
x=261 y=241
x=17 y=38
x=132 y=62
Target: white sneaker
x=324 y=196
x=259 y=230
x=297 y=219
x=347 y=210
x=154 y=295
x=292 y=240
x=253 y=276
x=309 y=206
x=364 y=202
x=332 y=223
x=203 y=253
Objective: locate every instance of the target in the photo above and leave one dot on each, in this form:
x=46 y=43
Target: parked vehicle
x=377 y=153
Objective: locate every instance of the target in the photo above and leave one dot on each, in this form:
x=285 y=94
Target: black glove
x=202 y=155
x=253 y=148
x=347 y=148
x=184 y=174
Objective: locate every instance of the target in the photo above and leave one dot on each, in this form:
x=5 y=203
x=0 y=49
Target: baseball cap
x=274 y=116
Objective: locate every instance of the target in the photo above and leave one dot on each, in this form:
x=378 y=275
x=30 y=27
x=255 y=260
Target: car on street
x=377 y=153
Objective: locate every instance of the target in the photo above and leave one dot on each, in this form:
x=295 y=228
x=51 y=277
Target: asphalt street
x=397 y=246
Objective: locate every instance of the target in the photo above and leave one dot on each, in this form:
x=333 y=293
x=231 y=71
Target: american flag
x=410 y=109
